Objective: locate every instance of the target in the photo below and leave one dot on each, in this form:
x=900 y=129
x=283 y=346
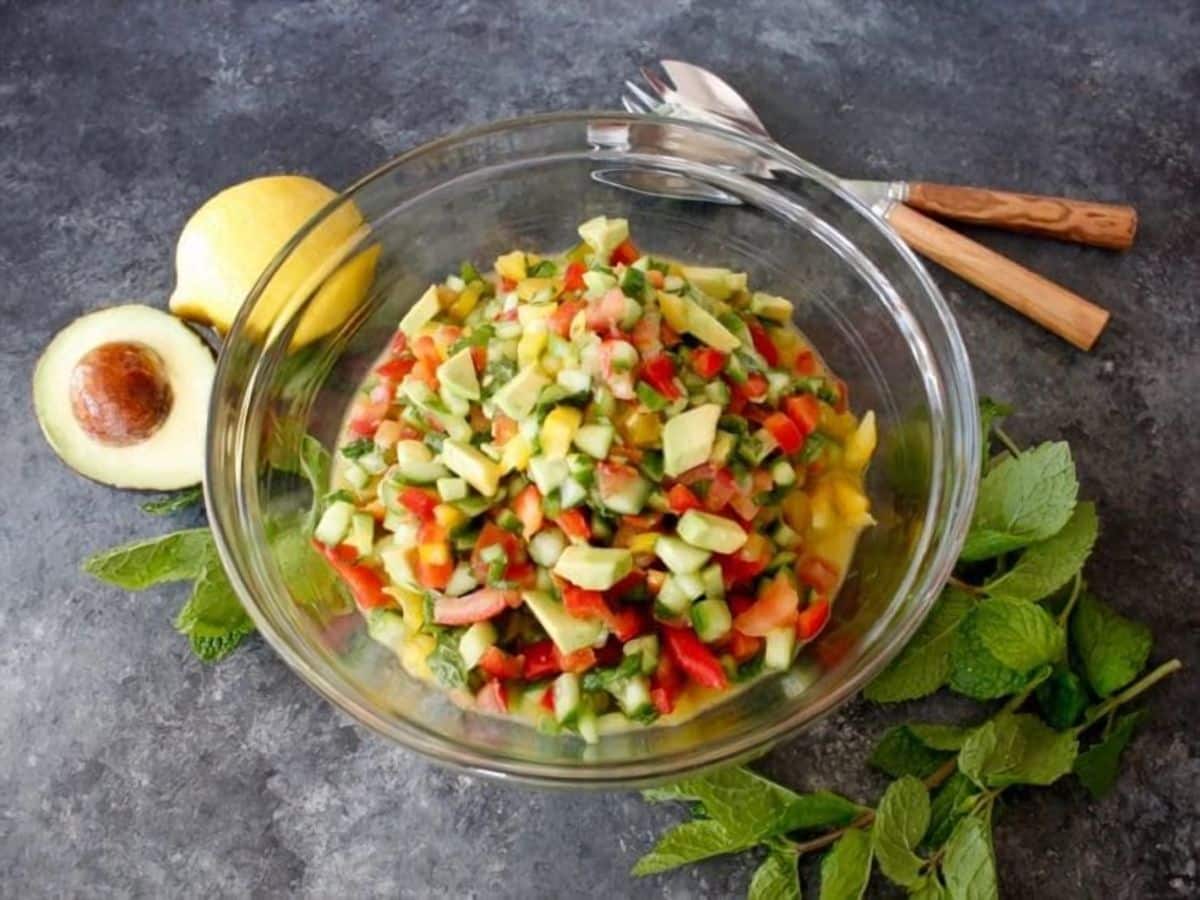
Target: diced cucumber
x=594 y=568
x=598 y=283
x=575 y=381
x=679 y=556
x=462 y=581
x=623 y=356
x=451 y=489
x=334 y=523
x=588 y=727
x=397 y=566
x=547 y=546
x=362 y=533
x=387 y=627
x=647 y=646
x=756 y=453
x=415 y=463
x=473 y=506
x=778 y=384
x=594 y=440
x=548 y=474
x=455 y=405
x=629 y=498
x=508 y=331
x=783 y=474
x=709 y=532
x=672 y=598
x=711 y=619
x=691 y=583
x=372 y=462
x=784 y=536
x=582 y=468
x=356 y=475
x=475 y=641
x=567 y=698
x=767 y=306
x=571 y=493
x=634 y=697
x=714 y=582
x=781 y=645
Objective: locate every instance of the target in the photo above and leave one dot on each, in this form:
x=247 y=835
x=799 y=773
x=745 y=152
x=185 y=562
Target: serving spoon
x=696 y=93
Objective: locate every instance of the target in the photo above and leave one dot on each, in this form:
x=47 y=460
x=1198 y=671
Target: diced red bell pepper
x=363 y=427
x=695 y=659
x=707 y=362
x=763 y=343
x=659 y=373
x=806 y=363
x=365 y=583
x=818 y=573
x=547 y=701
x=419 y=502
x=775 y=607
x=479 y=358
x=477 y=606
x=426 y=372
x=625 y=253
x=669 y=336
x=584 y=604
x=434 y=576
x=787 y=433
x=573 y=277
x=498 y=664
x=805 y=411
x=528 y=507
x=492 y=698
x=561 y=319
x=574 y=524
x=541 y=660
x=680 y=499
x=812 y=619
x=755 y=387
x=396 y=368
x=507 y=284
x=579 y=661
x=748 y=563
x=493 y=534
x=665 y=685
x=722 y=489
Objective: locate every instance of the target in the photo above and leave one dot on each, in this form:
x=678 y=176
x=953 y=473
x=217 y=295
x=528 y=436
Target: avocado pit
x=120 y=394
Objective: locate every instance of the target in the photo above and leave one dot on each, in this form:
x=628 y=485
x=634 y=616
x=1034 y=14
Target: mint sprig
x=1015 y=624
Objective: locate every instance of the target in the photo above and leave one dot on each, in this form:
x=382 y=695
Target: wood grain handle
x=1099 y=224
x=1053 y=307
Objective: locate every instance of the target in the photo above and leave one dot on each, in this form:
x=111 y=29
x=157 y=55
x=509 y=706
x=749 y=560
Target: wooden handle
x=1053 y=307
x=1098 y=224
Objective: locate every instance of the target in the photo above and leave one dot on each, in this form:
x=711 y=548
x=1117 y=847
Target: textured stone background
x=127 y=768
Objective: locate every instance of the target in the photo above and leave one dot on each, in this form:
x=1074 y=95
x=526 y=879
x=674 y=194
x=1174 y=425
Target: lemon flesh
x=229 y=242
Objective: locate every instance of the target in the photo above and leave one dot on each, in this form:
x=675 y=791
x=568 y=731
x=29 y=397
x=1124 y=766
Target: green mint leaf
x=900 y=822
x=846 y=868
x=315 y=465
x=542 y=269
x=1098 y=765
x=179 y=556
x=777 y=878
x=969 y=864
x=1017 y=749
x=989 y=412
x=924 y=664
x=975 y=672
x=309 y=579
x=929 y=889
x=900 y=752
x=1112 y=649
x=446 y=663
x=173 y=503
x=1022 y=500
x=1021 y=636
x=1062 y=698
x=941 y=737
x=1046 y=566
x=820 y=809
x=950 y=803
x=213 y=618
x=689 y=843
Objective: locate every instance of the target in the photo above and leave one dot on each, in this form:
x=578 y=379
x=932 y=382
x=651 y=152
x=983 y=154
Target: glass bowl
x=690 y=191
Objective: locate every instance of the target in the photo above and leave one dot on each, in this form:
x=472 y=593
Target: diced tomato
x=479 y=358
x=426 y=372
x=365 y=583
x=434 y=576
x=670 y=337
x=722 y=489
x=561 y=319
x=507 y=284
x=627 y=585
x=744 y=646
x=806 y=363
x=787 y=433
x=755 y=387
x=476 y=606
x=514 y=551
x=696 y=660
x=627 y=623
x=547 y=701
x=419 y=502
x=680 y=499
x=818 y=573
x=805 y=411
x=748 y=563
x=541 y=660
x=646 y=335
x=584 y=604
x=763 y=343
x=665 y=685
x=707 y=362
x=655 y=277
x=492 y=698
x=610 y=654
x=739 y=603
x=744 y=506
x=363 y=427
x=614 y=478
x=624 y=253
x=396 y=368
x=659 y=373
x=425 y=349
x=776 y=607
x=737 y=401
x=812 y=619
x=579 y=661
x=574 y=524
x=503 y=428
x=528 y=507
x=573 y=277
x=521 y=573
x=498 y=664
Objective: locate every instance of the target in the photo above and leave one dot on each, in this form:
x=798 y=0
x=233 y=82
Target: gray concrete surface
x=129 y=769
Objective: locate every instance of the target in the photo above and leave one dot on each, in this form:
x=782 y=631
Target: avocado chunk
x=594 y=568
x=122 y=397
x=603 y=235
x=718 y=283
x=468 y=463
x=680 y=557
x=709 y=532
x=568 y=633
x=518 y=398
x=768 y=306
x=688 y=438
x=705 y=326
x=421 y=312
x=458 y=375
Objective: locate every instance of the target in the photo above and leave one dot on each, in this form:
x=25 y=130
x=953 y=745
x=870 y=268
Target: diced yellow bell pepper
x=530 y=346
x=558 y=430
x=466 y=302
x=511 y=265
x=435 y=553
x=643 y=543
x=860 y=445
x=448 y=516
x=515 y=455
x=528 y=288
x=642 y=428
x=415 y=653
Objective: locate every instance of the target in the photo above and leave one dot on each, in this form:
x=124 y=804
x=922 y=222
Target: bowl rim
x=943 y=547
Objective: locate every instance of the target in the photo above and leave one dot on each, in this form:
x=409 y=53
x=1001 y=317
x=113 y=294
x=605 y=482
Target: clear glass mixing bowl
x=692 y=192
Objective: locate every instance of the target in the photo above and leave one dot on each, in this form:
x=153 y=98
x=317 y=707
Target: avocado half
x=122 y=397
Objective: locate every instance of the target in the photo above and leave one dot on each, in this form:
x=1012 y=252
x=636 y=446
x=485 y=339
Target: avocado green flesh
x=568 y=632
x=688 y=438
x=594 y=568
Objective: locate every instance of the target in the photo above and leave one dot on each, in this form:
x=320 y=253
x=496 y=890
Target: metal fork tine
x=646 y=99
x=632 y=106
x=660 y=86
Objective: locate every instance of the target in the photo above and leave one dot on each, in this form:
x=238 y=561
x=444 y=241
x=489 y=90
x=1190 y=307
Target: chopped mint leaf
x=900 y=823
x=468 y=273
x=358 y=449
x=445 y=662
x=173 y=503
x=688 y=843
x=777 y=878
x=923 y=665
x=1017 y=749
x=846 y=868
x=1046 y=566
x=1112 y=649
x=1098 y=765
x=542 y=269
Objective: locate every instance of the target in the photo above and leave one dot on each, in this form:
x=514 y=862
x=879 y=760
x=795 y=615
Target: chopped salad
x=597 y=489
